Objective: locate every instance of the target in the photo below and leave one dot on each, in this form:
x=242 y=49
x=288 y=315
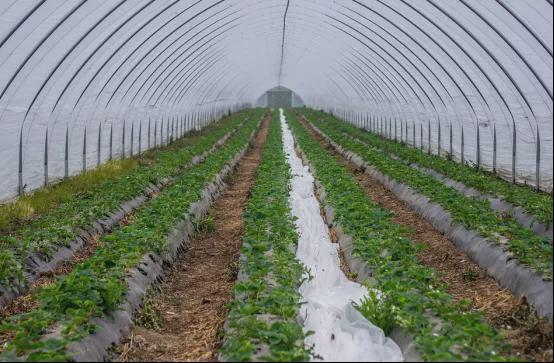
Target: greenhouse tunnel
x=84 y=83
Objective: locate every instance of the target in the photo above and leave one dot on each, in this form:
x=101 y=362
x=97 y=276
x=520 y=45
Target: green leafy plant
x=380 y=310
x=414 y=297
x=538 y=204
x=206 y=224
x=97 y=286
x=263 y=314
x=473 y=213
x=95 y=194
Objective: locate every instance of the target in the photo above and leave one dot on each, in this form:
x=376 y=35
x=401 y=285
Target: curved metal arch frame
x=161 y=58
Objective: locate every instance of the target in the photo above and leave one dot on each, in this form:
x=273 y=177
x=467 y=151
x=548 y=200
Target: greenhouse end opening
x=277 y=180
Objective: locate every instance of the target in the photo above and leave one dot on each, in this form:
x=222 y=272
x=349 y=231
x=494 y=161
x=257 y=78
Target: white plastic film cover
x=96 y=65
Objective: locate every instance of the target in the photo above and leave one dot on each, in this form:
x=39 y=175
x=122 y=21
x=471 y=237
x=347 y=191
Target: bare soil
x=529 y=336
x=185 y=319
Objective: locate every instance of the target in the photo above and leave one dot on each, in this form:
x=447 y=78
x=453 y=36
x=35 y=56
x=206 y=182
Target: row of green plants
x=264 y=312
x=29 y=207
x=475 y=214
x=59 y=225
x=538 y=204
x=411 y=295
x=97 y=286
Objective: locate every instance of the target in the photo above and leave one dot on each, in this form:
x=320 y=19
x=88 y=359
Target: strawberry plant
x=263 y=314
x=414 y=295
x=537 y=204
x=97 y=286
x=59 y=226
x=475 y=214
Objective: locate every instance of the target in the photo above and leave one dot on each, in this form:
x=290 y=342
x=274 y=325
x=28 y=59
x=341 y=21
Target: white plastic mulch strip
x=341 y=333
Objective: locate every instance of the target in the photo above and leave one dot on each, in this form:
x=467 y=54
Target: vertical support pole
x=478 y=146
x=414 y=145
x=140 y=138
x=421 y=136
x=463 y=146
x=514 y=153
x=451 y=149
x=20 y=182
x=169 y=130
x=370 y=119
x=156 y=134
x=371 y=124
x=46 y=158
x=111 y=142
x=162 y=133
x=99 y=146
x=123 y=141
x=395 y=133
x=149 y=131
x=167 y=141
x=429 y=137
x=538 y=172
x=402 y=139
x=66 y=152
x=494 y=150
x=132 y=138
x=440 y=139
x=85 y=151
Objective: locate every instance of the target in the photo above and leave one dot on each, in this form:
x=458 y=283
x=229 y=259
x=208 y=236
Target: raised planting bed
x=39 y=246
x=182 y=317
x=334 y=328
x=531 y=209
x=262 y=324
x=412 y=298
x=515 y=257
x=83 y=313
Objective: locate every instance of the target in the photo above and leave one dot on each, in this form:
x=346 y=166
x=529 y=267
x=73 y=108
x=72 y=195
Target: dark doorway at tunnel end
x=280 y=97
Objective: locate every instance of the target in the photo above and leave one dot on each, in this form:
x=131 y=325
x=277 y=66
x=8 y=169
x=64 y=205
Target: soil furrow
x=530 y=337
x=26 y=301
x=184 y=320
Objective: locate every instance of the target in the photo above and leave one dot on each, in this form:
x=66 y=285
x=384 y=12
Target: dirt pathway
x=185 y=320
x=530 y=337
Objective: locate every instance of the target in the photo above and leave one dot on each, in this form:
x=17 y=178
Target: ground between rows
x=184 y=320
x=529 y=336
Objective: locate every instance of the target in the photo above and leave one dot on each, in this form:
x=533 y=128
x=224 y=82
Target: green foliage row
x=87 y=201
x=267 y=301
x=413 y=296
x=97 y=286
x=537 y=204
x=475 y=214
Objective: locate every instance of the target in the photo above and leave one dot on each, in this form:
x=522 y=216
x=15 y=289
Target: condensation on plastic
x=70 y=65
